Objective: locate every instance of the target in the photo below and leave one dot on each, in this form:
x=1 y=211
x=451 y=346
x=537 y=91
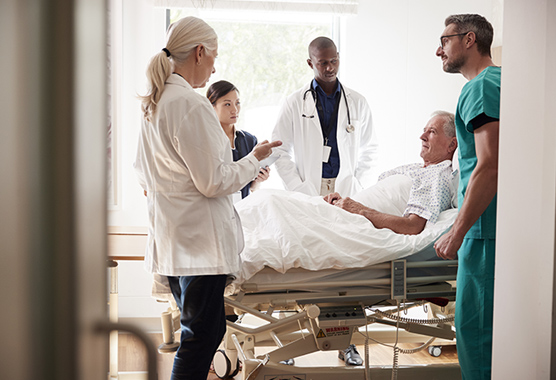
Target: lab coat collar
x=238 y=131
x=178 y=80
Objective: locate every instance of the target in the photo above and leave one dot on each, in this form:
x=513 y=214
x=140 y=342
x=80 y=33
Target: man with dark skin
x=327 y=132
x=327 y=135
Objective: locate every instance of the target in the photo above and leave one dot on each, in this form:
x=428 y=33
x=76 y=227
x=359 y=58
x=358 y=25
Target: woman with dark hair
x=224 y=97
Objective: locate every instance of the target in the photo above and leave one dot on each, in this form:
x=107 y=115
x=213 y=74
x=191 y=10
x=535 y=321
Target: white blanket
x=286 y=230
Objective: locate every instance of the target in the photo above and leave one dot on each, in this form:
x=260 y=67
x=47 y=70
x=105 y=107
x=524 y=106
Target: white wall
x=390 y=48
x=143 y=36
x=526 y=208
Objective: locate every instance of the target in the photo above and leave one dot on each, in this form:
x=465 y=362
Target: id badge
x=326 y=153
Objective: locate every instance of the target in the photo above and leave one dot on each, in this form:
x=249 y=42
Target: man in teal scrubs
x=465 y=49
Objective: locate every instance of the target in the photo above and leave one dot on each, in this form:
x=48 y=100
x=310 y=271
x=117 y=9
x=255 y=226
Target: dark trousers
x=203 y=323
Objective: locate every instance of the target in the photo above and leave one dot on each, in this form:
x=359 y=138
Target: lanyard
x=326 y=129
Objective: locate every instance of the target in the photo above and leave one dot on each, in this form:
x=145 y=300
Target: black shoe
x=350 y=355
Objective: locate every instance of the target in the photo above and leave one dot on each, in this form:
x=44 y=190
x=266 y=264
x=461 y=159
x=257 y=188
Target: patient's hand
x=350 y=205
x=332 y=198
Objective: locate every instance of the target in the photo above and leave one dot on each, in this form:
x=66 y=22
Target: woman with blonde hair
x=184 y=164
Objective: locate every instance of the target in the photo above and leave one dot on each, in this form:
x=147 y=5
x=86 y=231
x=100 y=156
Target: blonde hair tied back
x=182 y=37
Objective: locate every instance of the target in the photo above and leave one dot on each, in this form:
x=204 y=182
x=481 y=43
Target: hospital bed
x=331 y=311
x=316 y=278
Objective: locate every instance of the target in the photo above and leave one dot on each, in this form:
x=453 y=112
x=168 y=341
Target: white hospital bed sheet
x=285 y=230
x=298 y=275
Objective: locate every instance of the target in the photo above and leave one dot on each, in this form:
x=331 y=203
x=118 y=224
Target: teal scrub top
x=481 y=95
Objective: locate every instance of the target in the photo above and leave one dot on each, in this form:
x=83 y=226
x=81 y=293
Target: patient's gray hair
x=449 y=122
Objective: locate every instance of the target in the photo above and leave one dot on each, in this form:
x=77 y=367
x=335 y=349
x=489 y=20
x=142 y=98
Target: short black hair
x=321 y=43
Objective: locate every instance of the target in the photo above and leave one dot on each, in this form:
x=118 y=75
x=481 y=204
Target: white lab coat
x=185 y=164
x=300 y=162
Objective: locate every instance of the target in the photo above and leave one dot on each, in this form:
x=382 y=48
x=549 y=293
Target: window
x=263 y=51
x=264 y=54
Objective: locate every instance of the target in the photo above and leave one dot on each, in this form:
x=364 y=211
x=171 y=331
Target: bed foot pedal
x=438 y=301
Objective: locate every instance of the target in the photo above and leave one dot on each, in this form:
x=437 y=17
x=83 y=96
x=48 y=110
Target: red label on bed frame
x=335 y=331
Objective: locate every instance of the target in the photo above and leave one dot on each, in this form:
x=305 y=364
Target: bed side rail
x=248 y=287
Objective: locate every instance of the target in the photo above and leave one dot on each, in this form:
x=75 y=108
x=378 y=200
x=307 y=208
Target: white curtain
x=323 y=6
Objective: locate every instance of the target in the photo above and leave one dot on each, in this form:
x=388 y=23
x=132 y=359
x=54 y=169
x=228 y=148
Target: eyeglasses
x=448 y=36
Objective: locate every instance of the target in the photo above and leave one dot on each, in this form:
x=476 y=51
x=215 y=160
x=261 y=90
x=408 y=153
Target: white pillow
x=389 y=196
x=455 y=180
x=455 y=160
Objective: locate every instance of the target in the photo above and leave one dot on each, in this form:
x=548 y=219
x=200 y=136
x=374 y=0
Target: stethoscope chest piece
x=350 y=128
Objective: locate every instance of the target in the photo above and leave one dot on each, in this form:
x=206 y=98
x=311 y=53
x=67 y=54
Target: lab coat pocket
x=352 y=133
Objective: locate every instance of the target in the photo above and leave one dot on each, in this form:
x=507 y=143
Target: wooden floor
x=132 y=356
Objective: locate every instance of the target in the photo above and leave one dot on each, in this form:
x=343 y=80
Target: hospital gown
x=432 y=189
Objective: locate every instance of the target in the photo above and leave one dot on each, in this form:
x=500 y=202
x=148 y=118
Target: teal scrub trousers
x=474 y=307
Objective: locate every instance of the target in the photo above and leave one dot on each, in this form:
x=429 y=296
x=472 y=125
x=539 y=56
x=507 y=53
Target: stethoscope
x=349 y=129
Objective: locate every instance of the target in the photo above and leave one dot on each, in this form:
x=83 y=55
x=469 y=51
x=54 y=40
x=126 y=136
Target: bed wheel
x=223 y=366
x=236 y=371
x=435 y=351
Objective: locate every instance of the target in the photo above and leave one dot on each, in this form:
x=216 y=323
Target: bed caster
x=435 y=351
x=168 y=348
x=222 y=365
x=169 y=344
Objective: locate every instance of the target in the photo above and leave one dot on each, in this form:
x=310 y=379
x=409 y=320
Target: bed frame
x=323 y=316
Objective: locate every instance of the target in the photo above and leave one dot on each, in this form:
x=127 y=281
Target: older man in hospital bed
x=285 y=230
x=406 y=209
x=431 y=191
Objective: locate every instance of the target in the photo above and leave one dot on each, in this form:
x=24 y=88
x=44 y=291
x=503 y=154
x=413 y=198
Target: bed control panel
x=398 y=280
x=341 y=316
x=336 y=325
